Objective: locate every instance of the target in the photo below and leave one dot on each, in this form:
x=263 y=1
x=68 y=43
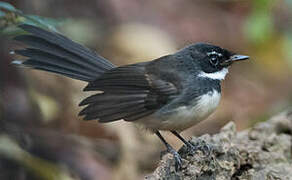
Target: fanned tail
x=53 y=52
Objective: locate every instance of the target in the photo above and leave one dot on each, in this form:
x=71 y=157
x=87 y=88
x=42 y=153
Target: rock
x=261 y=152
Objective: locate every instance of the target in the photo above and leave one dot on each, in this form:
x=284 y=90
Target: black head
x=212 y=58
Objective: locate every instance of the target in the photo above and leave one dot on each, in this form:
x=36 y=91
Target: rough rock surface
x=262 y=152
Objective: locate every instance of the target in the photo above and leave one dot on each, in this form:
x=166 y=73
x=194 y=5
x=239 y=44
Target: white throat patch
x=220 y=75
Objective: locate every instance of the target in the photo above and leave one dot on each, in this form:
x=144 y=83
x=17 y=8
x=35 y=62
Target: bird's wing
x=129 y=93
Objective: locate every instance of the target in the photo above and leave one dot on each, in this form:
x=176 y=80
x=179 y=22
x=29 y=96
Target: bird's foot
x=176 y=157
x=205 y=148
x=191 y=148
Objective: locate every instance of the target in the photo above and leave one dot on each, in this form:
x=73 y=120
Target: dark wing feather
x=129 y=93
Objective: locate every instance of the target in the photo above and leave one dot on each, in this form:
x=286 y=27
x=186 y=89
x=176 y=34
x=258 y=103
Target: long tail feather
x=55 y=53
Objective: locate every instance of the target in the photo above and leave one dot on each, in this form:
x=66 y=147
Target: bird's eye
x=214 y=60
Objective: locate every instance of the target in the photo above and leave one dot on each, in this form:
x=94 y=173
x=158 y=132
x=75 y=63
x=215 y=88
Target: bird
x=170 y=93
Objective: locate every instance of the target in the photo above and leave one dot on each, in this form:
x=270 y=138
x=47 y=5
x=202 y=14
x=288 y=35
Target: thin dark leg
x=189 y=145
x=171 y=150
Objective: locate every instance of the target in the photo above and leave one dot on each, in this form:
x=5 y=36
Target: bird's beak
x=234 y=58
x=238 y=57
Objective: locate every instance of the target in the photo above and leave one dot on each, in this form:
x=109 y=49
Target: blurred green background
x=43 y=138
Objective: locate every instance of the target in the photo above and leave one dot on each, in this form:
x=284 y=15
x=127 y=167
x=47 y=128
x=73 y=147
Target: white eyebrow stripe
x=219 y=75
x=214 y=52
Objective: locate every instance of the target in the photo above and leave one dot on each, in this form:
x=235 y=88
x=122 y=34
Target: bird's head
x=213 y=61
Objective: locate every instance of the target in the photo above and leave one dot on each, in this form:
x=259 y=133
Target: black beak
x=234 y=58
x=238 y=57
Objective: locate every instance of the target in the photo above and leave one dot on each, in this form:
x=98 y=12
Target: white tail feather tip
x=16 y=62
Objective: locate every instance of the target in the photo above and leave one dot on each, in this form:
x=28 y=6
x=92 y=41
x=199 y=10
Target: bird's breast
x=186 y=116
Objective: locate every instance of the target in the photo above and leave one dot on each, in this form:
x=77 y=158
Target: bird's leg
x=171 y=150
x=190 y=147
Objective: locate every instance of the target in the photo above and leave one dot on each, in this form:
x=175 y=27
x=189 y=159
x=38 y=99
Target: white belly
x=185 y=116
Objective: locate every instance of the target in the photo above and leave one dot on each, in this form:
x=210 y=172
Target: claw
x=205 y=148
x=171 y=150
x=178 y=161
x=177 y=158
x=191 y=148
